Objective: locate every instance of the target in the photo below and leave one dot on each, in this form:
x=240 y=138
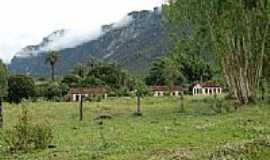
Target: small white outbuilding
x=206 y=88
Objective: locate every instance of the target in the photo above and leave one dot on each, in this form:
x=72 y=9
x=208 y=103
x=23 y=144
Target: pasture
x=164 y=132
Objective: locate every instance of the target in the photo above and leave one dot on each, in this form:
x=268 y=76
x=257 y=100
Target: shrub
x=19 y=87
x=52 y=91
x=123 y=92
x=42 y=136
x=41 y=90
x=26 y=135
x=219 y=106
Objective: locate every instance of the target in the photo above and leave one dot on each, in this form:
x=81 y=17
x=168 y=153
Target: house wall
x=158 y=93
x=175 y=93
x=207 y=91
x=162 y=93
x=78 y=97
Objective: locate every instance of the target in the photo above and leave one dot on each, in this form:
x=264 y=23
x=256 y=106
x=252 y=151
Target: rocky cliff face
x=134 y=45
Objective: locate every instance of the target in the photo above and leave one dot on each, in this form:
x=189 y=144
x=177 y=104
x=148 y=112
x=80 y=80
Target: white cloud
x=25 y=22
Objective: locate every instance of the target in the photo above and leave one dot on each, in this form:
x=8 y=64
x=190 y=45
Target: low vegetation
x=27 y=135
x=162 y=133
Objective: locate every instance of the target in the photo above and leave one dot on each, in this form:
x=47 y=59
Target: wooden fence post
x=81 y=108
x=182 y=105
x=138 y=105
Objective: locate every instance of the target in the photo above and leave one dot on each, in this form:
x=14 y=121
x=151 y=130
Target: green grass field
x=162 y=133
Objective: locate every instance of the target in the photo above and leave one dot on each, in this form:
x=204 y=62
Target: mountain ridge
x=133 y=45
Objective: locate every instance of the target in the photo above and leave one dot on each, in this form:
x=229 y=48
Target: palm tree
x=51 y=59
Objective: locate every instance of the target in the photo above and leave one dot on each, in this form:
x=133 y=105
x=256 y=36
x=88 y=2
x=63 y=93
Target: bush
x=41 y=90
x=219 y=106
x=42 y=136
x=123 y=92
x=20 y=87
x=52 y=91
x=26 y=135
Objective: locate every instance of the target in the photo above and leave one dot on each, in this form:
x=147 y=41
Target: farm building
x=206 y=88
x=165 y=90
x=75 y=94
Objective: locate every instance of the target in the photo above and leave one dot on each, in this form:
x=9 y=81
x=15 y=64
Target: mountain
x=132 y=43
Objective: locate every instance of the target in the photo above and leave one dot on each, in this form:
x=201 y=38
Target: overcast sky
x=24 y=22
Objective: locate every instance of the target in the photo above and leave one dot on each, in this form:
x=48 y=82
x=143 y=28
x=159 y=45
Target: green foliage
x=41 y=90
x=220 y=106
x=71 y=79
x=141 y=89
x=52 y=91
x=91 y=81
x=41 y=136
x=97 y=73
x=26 y=136
x=3 y=79
x=180 y=67
x=235 y=32
x=19 y=87
x=157 y=75
x=56 y=91
x=123 y=92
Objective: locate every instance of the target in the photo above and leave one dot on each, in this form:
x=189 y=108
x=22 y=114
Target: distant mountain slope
x=133 y=45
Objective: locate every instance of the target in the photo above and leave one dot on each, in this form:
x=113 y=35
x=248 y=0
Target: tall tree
x=52 y=59
x=236 y=31
x=157 y=75
x=80 y=70
x=172 y=70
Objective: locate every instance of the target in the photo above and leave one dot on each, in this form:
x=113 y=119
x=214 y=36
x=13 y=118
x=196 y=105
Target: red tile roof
x=209 y=84
x=87 y=90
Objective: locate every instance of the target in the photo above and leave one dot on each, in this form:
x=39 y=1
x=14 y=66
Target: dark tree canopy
x=98 y=73
x=20 y=87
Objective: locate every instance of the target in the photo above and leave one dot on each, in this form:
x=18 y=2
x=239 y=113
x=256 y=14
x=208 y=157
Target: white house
x=206 y=88
x=75 y=94
x=163 y=90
